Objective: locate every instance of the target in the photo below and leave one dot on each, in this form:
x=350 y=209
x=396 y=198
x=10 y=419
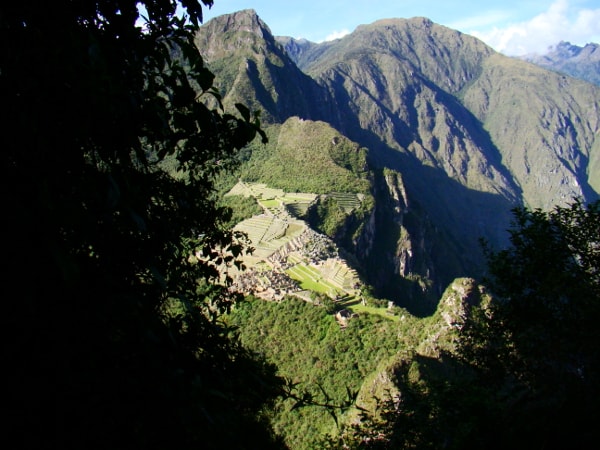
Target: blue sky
x=514 y=27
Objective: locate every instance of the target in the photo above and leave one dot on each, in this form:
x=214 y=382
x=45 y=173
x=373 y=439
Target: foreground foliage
x=114 y=237
x=539 y=341
x=525 y=371
x=324 y=360
x=111 y=274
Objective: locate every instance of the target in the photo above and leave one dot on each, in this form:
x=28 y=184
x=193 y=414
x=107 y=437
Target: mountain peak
x=573 y=60
x=245 y=20
x=224 y=34
x=418 y=21
x=565 y=49
x=458 y=134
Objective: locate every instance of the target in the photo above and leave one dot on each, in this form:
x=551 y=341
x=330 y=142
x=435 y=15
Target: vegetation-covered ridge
x=311 y=349
x=470 y=133
x=505 y=364
x=309 y=156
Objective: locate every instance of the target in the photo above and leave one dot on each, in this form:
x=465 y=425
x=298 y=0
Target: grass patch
x=311 y=279
x=271 y=203
x=383 y=312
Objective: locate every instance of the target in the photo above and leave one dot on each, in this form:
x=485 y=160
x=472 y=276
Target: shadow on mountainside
x=424 y=241
x=421 y=245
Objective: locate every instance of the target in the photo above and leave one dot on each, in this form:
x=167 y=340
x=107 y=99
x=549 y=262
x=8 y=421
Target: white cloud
x=559 y=23
x=336 y=35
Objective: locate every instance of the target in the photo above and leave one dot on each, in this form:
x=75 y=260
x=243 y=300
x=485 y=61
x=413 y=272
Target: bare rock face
x=232 y=32
x=450 y=316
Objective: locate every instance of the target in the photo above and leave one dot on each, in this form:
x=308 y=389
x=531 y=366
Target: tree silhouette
x=525 y=372
x=537 y=344
x=114 y=243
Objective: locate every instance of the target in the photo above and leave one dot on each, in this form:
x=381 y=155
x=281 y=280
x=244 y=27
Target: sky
x=513 y=27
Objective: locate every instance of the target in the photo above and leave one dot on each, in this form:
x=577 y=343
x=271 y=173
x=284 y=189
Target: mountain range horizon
x=561 y=43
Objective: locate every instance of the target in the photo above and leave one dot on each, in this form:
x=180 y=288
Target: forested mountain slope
x=140 y=316
x=457 y=134
x=434 y=91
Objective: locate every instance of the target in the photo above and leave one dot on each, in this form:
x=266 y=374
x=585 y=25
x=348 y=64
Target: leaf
x=205 y=79
x=158 y=276
x=244 y=111
x=194 y=9
x=183 y=96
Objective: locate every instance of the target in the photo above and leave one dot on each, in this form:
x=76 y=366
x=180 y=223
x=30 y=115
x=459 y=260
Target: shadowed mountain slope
x=252 y=67
x=488 y=121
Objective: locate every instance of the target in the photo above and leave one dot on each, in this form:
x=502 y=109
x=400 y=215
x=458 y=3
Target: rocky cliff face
x=410 y=257
x=490 y=122
x=435 y=342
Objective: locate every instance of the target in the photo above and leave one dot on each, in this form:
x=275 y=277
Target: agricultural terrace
x=296 y=203
x=280 y=239
x=268 y=234
x=347 y=200
x=256 y=190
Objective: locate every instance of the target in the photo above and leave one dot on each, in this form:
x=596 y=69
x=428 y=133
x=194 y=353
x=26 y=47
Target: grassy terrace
x=383 y=312
x=274 y=200
x=259 y=191
x=270 y=204
x=271 y=231
x=297 y=209
x=297 y=202
x=268 y=234
x=339 y=274
x=311 y=279
x=346 y=200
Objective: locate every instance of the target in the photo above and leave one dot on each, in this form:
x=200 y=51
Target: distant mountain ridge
x=579 y=62
x=457 y=134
